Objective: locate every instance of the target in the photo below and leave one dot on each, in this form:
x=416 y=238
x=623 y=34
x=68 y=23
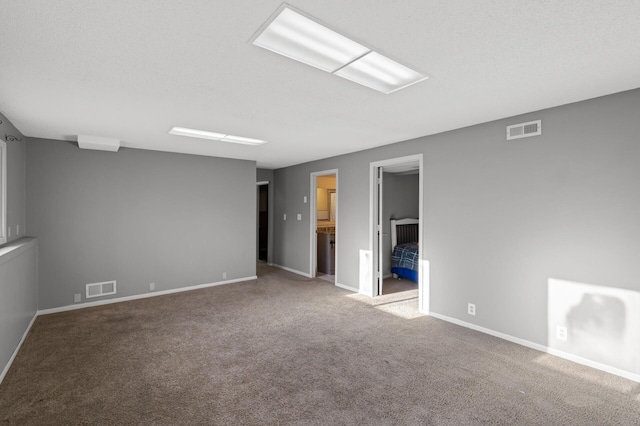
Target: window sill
x=15 y=248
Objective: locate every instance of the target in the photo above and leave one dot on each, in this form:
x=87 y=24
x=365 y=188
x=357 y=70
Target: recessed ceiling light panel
x=222 y=137
x=193 y=133
x=241 y=140
x=380 y=73
x=295 y=36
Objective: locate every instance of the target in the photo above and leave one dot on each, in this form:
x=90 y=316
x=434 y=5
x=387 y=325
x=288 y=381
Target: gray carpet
x=292 y=351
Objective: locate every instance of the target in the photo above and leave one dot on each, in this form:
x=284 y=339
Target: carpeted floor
x=292 y=351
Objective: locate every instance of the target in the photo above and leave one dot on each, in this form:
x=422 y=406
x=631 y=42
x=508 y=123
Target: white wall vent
x=524 y=130
x=98 y=143
x=101 y=289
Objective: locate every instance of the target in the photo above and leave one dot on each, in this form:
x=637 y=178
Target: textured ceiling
x=133 y=69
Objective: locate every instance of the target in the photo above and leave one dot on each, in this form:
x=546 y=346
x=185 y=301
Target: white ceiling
x=133 y=69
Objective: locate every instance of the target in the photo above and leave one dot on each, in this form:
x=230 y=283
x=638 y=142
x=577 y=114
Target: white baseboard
x=542 y=348
x=15 y=352
x=139 y=296
x=346 y=287
x=295 y=271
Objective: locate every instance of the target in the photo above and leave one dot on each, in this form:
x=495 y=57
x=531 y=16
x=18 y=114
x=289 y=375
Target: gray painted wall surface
x=18 y=294
x=137 y=217
x=16 y=205
x=501 y=217
x=400 y=199
x=266 y=175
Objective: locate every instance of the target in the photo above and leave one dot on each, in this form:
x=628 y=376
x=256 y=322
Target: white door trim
x=423 y=273
x=313 y=220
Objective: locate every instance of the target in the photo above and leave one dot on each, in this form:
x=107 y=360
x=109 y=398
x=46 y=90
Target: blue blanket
x=405 y=256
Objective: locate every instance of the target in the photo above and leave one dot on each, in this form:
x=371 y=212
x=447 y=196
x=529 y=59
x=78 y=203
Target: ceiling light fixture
x=296 y=35
x=222 y=137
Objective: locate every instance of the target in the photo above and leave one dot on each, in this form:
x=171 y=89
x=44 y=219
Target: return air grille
x=101 y=289
x=524 y=130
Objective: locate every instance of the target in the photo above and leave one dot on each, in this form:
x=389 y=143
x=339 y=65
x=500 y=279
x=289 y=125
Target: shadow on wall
x=595 y=323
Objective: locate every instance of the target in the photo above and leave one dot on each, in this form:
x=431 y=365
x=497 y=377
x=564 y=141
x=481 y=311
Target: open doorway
x=396 y=193
x=324 y=225
x=262 y=234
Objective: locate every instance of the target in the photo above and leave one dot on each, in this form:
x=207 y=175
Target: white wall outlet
x=77 y=298
x=152 y=286
x=284 y=216
x=305 y=199
x=224 y=275
x=299 y=216
x=561 y=332
x=471 y=309
x=17 y=229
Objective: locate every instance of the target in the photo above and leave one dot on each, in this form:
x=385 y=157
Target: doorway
x=262 y=233
x=381 y=212
x=324 y=225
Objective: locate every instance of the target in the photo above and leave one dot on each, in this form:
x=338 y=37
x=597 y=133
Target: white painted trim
x=313 y=220
x=262 y=182
x=346 y=287
x=140 y=296
x=15 y=352
x=424 y=288
x=295 y=271
x=3 y=192
x=542 y=348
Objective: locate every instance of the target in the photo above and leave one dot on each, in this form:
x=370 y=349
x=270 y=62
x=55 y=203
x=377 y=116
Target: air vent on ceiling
x=524 y=130
x=101 y=289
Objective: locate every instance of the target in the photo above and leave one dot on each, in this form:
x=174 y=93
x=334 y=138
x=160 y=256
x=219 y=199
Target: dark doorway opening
x=263 y=222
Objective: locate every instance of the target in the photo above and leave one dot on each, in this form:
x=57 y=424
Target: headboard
x=404 y=231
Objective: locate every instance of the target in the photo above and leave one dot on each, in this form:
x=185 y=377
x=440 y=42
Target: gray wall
x=18 y=258
x=400 y=199
x=266 y=175
x=500 y=217
x=137 y=217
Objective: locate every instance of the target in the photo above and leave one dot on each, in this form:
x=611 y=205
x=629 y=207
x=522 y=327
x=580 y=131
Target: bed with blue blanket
x=405 y=255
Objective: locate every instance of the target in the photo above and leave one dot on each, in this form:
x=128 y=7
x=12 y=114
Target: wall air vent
x=101 y=289
x=524 y=130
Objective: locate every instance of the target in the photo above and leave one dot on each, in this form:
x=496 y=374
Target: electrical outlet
x=224 y=275
x=17 y=229
x=152 y=286
x=471 y=309
x=284 y=217
x=77 y=298
x=561 y=332
x=299 y=216
x=305 y=199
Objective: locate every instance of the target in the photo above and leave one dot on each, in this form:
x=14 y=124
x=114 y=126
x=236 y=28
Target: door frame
x=423 y=270
x=313 y=221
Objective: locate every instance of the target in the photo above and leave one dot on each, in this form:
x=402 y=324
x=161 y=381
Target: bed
x=404 y=248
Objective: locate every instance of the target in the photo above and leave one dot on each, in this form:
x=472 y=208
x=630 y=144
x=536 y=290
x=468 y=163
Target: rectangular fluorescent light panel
x=222 y=137
x=380 y=73
x=299 y=37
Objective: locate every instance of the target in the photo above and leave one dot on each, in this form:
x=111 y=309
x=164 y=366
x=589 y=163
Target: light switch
x=299 y=216
x=285 y=217
x=305 y=199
